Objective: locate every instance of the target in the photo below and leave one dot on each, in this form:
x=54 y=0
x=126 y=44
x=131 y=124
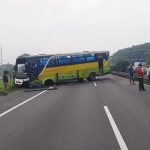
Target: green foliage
x=122 y=65
x=36 y=83
x=10 y=87
x=8 y=67
x=138 y=51
x=148 y=60
x=113 y=68
x=7 y=71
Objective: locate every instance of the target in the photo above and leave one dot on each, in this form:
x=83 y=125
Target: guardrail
x=126 y=75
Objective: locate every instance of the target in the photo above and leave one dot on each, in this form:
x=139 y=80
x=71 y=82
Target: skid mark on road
x=6 y=112
x=120 y=140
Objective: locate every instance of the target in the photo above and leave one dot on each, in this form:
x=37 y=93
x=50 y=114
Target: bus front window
x=20 y=66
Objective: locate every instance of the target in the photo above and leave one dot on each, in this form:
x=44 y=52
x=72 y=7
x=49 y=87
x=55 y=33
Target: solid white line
x=116 y=130
x=95 y=84
x=4 y=113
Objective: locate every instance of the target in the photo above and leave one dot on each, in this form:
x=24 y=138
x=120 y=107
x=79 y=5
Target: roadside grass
x=10 y=87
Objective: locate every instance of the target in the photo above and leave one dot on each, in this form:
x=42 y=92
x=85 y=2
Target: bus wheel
x=49 y=82
x=92 y=76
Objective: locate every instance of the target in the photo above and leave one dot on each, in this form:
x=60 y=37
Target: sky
x=62 y=26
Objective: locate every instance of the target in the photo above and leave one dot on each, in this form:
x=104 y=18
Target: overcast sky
x=57 y=26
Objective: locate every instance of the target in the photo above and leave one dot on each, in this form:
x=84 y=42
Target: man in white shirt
x=148 y=73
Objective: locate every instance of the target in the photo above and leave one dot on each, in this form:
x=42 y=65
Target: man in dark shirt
x=5 y=80
x=131 y=74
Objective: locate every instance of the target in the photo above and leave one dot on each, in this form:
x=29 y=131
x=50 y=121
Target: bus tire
x=92 y=76
x=48 y=82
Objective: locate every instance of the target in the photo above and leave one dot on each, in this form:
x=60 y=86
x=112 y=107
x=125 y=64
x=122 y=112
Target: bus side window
x=105 y=56
x=64 y=60
x=34 y=65
x=81 y=59
x=52 y=62
x=43 y=61
x=89 y=57
x=78 y=59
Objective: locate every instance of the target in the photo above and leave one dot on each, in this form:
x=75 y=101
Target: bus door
x=100 y=63
x=32 y=68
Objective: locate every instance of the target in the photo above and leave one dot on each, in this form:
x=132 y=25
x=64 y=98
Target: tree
x=122 y=65
x=8 y=67
x=113 y=68
x=135 y=52
x=148 y=60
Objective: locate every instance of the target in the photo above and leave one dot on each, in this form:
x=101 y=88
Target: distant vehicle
x=61 y=68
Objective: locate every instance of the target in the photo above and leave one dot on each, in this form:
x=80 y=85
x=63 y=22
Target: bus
x=61 y=68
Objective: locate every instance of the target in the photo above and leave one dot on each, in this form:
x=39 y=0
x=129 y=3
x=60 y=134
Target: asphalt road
x=75 y=117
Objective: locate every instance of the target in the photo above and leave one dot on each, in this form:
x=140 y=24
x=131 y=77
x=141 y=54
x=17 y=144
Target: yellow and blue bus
x=62 y=68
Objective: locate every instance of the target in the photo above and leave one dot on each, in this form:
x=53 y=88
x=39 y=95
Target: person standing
x=148 y=74
x=131 y=75
x=5 y=80
x=140 y=75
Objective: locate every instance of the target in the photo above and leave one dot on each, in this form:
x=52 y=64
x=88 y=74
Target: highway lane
x=73 y=118
x=15 y=98
x=130 y=109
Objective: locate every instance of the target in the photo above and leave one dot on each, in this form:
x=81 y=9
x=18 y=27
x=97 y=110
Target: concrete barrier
x=126 y=75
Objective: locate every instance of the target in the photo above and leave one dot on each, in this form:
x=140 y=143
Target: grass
x=10 y=87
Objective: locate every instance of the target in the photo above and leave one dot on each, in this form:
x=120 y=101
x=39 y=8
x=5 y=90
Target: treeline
x=121 y=66
x=8 y=67
x=137 y=51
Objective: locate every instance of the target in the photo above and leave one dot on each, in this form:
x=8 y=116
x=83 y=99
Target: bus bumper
x=20 y=81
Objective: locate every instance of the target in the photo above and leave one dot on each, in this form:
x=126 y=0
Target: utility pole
x=1 y=56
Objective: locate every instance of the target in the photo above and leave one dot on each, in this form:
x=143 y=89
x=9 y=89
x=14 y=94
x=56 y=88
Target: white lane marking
x=95 y=84
x=116 y=130
x=4 y=113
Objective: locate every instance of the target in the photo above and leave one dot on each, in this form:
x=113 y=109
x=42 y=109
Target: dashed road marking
x=120 y=140
x=95 y=84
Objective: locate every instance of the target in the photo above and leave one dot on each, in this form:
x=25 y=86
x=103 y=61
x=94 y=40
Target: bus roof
x=75 y=53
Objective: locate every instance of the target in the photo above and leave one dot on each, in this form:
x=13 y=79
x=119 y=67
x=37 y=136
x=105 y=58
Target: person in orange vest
x=5 y=80
x=140 y=75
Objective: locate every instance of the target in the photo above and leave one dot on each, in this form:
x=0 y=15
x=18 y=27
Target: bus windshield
x=24 y=65
x=20 y=66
